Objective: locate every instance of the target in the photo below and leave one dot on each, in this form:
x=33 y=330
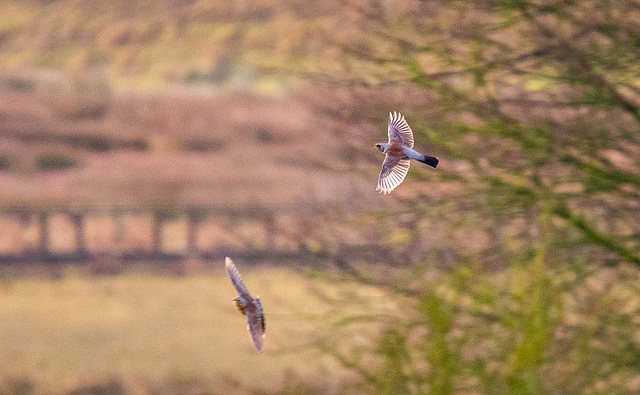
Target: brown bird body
x=247 y=305
x=396 y=149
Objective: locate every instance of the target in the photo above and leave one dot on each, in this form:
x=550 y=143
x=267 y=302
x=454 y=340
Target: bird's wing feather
x=255 y=318
x=393 y=172
x=399 y=130
x=236 y=278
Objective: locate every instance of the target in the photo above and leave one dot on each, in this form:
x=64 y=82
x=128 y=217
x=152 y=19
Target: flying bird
x=247 y=305
x=399 y=152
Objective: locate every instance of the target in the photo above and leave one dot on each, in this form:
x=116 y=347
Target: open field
x=151 y=331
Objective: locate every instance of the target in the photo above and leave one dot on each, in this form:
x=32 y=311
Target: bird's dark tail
x=429 y=160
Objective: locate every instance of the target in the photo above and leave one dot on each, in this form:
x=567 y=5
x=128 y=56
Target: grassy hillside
x=152 y=44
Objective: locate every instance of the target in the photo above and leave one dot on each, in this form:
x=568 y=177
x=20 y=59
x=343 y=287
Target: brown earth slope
x=175 y=148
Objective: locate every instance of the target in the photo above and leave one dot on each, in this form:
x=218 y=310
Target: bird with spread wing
x=399 y=152
x=247 y=305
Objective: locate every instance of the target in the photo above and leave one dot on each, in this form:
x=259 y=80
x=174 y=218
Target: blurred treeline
x=520 y=268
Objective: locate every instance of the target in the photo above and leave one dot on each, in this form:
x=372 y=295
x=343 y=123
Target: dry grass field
x=151 y=332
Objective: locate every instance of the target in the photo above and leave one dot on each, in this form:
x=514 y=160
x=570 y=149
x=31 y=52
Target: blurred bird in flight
x=249 y=306
x=399 y=151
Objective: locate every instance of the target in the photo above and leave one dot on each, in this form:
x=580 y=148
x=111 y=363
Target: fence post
x=78 y=222
x=270 y=231
x=195 y=216
x=117 y=216
x=158 y=219
x=43 y=218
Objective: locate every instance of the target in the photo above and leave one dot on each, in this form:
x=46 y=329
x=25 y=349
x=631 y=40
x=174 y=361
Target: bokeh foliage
x=537 y=106
x=547 y=94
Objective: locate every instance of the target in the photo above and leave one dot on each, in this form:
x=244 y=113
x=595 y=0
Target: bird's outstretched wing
x=393 y=172
x=255 y=318
x=399 y=130
x=236 y=278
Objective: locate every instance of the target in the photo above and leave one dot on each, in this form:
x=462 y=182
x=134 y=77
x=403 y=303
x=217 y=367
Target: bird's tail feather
x=429 y=160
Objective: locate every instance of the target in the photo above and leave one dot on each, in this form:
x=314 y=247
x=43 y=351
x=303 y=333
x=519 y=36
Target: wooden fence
x=277 y=233
x=17 y=218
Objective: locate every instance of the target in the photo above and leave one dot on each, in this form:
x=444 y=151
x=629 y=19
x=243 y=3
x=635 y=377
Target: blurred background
x=141 y=142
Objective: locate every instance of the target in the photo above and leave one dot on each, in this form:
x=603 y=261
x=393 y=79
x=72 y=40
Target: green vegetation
x=538 y=103
x=532 y=329
x=547 y=94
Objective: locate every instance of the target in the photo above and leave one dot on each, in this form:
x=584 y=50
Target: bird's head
x=382 y=147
